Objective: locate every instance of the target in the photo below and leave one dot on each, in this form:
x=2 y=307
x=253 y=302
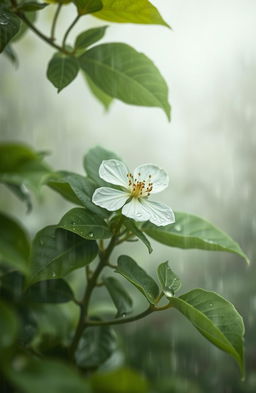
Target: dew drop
x=90 y=234
x=53 y=274
x=124 y=315
x=211 y=305
x=177 y=228
x=168 y=292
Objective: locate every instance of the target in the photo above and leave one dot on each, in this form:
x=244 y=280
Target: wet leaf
x=130 y=11
x=77 y=189
x=119 y=295
x=123 y=73
x=216 y=319
x=85 y=224
x=169 y=281
x=56 y=252
x=92 y=161
x=9 y=26
x=50 y=291
x=190 y=231
x=62 y=70
x=96 y=346
x=129 y=269
x=89 y=37
x=132 y=227
x=14 y=244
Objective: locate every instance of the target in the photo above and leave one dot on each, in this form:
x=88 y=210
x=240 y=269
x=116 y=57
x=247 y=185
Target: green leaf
x=77 y=189
x=216 y=319
x=130 y=11
x=85 y=224
x=62 y=70
x=122 y=380
x=31 y=6
x=55 y=253
x=92 y=161
x=190 y=231
x=39 y=375
x=31 y=16
x=22 y=166
x=11 y=286
x=88 y=6
x=8 y=327
x=9 y=26
x=14 y=244
x=99 y=94
x=120 y=297
x=89 y=37
x=50 y=291
x=95 y=347
x=129 y=269
x=170 y=283
x=132 y=227
x=123 y=73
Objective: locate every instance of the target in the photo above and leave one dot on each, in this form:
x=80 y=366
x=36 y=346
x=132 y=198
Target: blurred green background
x=208 y=149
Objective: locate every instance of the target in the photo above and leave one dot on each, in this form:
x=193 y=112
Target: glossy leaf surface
x=50 y=291
x=169 y=281
x=85 y=224
x=215 y=318
x=132 y=227
x=190 y=231
x=129 y=269
x=130 y=11
x=95 y=347
x=123 y=73
x=89 y=37
x=77 y=189
x=55 y=253
x=62 y=70
x=9 y=26
x=119 y=295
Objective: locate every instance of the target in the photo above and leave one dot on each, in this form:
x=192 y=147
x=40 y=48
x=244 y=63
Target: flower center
x=139 y=188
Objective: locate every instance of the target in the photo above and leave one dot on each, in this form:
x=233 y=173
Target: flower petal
x=135 y=209
x=114 y=172
x=109 y=198
x=159 y=213
x=152 y=174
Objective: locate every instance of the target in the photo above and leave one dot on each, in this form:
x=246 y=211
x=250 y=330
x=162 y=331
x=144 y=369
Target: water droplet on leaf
x=90 y=234
x=177 y=228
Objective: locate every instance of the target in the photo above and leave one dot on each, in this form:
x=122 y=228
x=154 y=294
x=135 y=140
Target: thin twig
x=54 y=21
x=69 y=29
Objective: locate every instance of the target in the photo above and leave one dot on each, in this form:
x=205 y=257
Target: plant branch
x=54 y=22
x=121 y=321
x=39 y=33
x=91 y=284
x=69 y=29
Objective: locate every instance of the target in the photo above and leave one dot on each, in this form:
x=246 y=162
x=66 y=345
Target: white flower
x=147 y=179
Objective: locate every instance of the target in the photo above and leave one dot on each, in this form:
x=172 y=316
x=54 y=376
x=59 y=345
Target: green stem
x=121 y=321
x=91 y=284
x=54 y=22
x=41 y=35
x=69 y=29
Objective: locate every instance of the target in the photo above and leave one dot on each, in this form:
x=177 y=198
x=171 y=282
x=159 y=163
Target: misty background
x=208 y=150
